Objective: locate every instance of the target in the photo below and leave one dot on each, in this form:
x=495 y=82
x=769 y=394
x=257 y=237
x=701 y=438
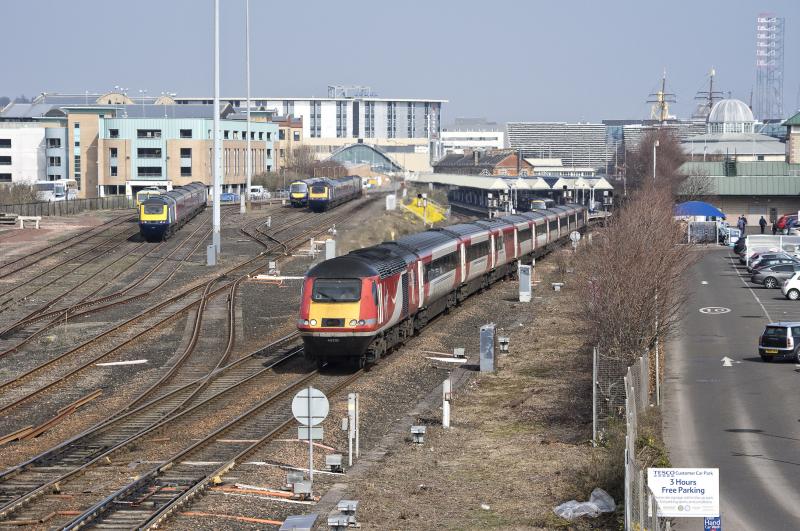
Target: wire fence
x=70 y=206
x=621 y=392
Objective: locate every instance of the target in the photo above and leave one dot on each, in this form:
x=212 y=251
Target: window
x=186 y=171
x=282 y=153
x=148 y=153
x=77 y=143
x=269 y=137
x=553 y=225
x=260 y=135
x=148 y=133
x=477 y=250
x=54 y=161
x=391 y=119
x=5 y=161
x=296 y=136
x=149 y=171
x=440 y=266
x=5 y=177
x=336 y=290
x=112 y=153
x=281 y=134
x=269 y=153
x=498 y=242
x=113 y=171
x=77 y=168
x=186 y=153
x=524 y=235
x=5 y=142
x=153 y=209
x=226 y=134
x=51 y=142
x=76 y=125
x=186 y=133
x=113 y=133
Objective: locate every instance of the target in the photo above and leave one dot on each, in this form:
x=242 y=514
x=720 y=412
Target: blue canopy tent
x=698 y=208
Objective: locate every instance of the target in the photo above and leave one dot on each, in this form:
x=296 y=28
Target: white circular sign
x=575 y=236
x=714 y=310
x=310 y=406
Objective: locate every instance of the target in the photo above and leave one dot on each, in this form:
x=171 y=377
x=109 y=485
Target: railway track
x=148 y=501
x=28 y=482
x=20 y=392
x=59 y=247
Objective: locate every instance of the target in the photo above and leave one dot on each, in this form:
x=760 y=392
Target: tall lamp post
x=242 y=206
x=215 y=237
x=655 y=145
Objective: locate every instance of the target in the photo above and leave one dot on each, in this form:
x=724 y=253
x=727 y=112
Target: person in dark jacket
x=774 y=228
x=763 y=224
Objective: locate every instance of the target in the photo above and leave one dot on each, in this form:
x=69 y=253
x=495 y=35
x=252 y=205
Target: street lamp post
x=215 y=236
x=242 y=206
x=655 y=145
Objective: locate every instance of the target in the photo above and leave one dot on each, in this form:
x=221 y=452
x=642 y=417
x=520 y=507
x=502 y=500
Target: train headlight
x=361 y=323
x=353 y=322
x=313 y=322
x=305 y=322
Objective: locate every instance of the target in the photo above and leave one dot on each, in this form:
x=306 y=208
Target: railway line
x=21 y=395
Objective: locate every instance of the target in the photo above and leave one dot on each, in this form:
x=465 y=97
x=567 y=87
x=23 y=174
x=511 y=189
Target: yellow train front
x=327 y=193
x=161 y=215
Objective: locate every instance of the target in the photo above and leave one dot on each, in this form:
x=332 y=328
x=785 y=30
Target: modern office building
x=576 y=144
x=460 y=141
x=118 y=148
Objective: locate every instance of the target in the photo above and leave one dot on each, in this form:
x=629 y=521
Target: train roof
x=463 y=229
x=494 y=224
x=423 y=241
x=346 y=266
x=382 y=260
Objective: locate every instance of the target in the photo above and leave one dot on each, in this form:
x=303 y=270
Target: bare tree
x=696 y=186
x=669 y=159
x=304 y=164
x=16 y=193
x=631 y=274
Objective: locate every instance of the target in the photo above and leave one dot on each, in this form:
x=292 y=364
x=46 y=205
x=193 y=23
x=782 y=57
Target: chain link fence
x=70 y=206
x=626 y=397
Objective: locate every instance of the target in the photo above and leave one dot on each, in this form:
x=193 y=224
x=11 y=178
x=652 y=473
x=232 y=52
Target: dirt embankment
x=520 y=439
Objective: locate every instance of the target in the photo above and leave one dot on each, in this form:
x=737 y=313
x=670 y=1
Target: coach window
x=440 y=266
x=477 y=250
x=524 y=235
x=498 y=242
x=553 y=225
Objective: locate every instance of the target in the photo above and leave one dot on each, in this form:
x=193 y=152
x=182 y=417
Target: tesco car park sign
x=685 y=492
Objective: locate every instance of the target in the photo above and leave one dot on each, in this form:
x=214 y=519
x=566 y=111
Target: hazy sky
x=506 y=60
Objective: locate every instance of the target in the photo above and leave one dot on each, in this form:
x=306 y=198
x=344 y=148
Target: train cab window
x=336 y=290
x=498 y=242
x=298 y=188
x=524 y=235
x=153 y=209
x=318 y=189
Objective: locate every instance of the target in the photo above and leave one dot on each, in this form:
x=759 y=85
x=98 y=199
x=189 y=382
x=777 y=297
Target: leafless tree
x=16 y=193
x=631 y=274
x=669 y=158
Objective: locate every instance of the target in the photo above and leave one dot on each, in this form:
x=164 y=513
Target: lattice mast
x=769 y=67
x=660 y=100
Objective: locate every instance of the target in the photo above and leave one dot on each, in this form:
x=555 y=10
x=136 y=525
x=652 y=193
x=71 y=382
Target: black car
x=780 y=341
x=738 y=247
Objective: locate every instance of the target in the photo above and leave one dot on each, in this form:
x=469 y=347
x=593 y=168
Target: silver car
x=773 y=276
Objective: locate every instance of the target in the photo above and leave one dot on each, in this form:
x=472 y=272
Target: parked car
x=791 y=287
x=780 y=341
x=769 y=262
x=786 y=221
x=738 y=247
x=775 y=275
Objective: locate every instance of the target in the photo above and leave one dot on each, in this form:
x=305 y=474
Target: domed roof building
x=732 y=133
x=731 y=116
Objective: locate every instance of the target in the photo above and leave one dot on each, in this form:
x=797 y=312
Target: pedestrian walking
x=741 y=224
x=774 y=228
x=763 y=224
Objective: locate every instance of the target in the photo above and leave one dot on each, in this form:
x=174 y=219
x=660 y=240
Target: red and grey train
x=357 y=307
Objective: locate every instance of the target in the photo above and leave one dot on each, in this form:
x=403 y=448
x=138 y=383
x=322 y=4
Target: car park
x=770 y=260
x=780 y=341
x=775 y=275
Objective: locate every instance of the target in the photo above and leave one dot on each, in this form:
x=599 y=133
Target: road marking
x=714 y=310
x=704 y=283
x=753 y=293
x=728 y=362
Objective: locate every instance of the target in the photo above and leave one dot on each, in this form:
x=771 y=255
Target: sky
x=543 y=60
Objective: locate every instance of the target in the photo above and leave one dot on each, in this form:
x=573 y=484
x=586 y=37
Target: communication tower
x=769 y=67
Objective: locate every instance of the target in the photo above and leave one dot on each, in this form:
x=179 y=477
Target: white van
x=258 y=192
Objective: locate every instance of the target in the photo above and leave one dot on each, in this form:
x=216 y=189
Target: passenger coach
x=357 y=307
x=161 y=215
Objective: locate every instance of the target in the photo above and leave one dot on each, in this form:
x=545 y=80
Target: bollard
x=487 y=347
x=418 y=434
x=330 y=249
x=447 y=392
x=524 y=283
x=211 y=255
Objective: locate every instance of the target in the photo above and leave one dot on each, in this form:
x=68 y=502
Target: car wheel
x=770 y=283
x=797 y=355
x=793 y=294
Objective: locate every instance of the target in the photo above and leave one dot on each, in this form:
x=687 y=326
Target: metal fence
x=617 y=398
x=71 y=206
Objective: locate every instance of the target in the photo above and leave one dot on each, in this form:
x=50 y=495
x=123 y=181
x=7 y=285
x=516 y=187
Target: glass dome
x=731 y=116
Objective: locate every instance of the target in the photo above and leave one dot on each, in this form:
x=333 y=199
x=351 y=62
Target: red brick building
x=498 y=162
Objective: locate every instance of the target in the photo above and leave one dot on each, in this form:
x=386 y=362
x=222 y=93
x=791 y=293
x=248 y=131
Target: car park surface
x=743 y=418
